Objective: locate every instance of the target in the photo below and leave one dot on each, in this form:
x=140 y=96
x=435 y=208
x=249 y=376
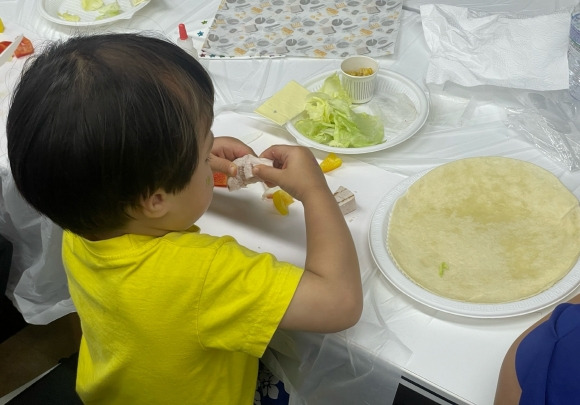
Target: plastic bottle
x=185 y=42
x=574 y=53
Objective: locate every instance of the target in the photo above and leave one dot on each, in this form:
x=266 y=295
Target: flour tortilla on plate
x=485 y=230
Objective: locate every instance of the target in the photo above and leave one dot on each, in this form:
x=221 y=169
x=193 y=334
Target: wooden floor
x=34 y=349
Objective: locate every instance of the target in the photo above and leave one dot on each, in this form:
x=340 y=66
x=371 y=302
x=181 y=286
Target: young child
x=110 y=137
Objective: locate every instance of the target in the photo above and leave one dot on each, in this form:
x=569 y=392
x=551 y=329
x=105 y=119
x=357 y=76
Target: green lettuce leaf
x=69 y=17
x=91 y=5
x=330 y=119
x=108 y=11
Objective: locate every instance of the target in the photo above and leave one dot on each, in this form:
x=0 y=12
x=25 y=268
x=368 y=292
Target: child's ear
x=156 y=205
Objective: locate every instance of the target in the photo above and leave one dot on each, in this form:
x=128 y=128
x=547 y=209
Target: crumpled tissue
x=473 y=48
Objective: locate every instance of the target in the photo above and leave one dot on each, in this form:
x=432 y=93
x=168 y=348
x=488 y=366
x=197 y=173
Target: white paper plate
x=387 y=82
x=50 y=9
x=378 y=245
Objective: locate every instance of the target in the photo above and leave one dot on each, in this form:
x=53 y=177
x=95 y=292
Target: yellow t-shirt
x=178 y=319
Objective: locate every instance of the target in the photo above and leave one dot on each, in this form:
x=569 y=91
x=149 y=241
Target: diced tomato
x=4 y=45
x=25 y=48
x=220 y=179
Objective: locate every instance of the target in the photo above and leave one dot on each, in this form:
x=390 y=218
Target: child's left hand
x=225 y=150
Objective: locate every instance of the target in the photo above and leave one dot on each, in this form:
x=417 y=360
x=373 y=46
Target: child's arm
x=329 y=296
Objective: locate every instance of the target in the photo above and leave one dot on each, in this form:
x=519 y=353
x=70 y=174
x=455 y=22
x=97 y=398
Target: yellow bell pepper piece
x=1 y=26
x=281 y=201
x=330 y=162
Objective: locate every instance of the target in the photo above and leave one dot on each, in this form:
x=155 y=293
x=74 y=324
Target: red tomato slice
x=25 y=48
x=4 y=45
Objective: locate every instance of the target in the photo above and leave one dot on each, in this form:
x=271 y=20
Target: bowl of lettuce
x=88 y=13
x=332 y=123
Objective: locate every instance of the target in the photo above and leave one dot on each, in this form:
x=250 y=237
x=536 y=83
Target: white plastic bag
x=37 y=282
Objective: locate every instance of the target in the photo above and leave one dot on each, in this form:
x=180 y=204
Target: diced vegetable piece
x=442 y=267
x=4 y=45
x=363 y=71
x=24 y=48
x=220 y=179
x=281 y=201
x=330 y=162
x=1 y=26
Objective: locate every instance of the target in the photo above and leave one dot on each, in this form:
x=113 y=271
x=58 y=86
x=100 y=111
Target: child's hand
x=295 y=170
x=226 y=149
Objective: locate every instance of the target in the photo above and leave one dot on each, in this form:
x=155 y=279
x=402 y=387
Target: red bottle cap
x=182 y=32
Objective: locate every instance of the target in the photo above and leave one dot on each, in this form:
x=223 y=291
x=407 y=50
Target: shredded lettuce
x=330 y=119
x=442 y=268
x=91 y=5
x=109 y=10
x=69 y=17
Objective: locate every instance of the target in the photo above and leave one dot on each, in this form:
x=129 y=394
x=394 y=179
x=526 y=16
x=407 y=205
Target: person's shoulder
x=193 y=238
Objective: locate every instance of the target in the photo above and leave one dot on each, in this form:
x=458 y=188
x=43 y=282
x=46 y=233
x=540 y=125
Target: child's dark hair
x=99 y=122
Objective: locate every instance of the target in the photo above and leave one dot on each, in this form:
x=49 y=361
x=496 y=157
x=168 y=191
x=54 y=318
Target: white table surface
x=458 y=357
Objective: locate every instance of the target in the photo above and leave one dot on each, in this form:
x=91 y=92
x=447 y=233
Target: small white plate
x=50 y=9
x=378 y=244
x=387 y=82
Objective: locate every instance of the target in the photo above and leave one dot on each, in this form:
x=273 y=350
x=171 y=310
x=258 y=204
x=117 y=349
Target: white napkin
x=474 y=48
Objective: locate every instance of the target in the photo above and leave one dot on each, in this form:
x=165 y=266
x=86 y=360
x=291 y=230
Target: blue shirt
x=548 y=360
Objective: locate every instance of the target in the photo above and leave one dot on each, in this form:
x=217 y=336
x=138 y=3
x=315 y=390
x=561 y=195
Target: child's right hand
x=295 y=170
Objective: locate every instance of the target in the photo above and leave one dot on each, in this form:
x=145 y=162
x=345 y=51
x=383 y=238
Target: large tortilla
x=485 y=230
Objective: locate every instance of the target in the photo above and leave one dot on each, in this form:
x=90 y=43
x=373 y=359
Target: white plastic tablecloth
x=457 y=357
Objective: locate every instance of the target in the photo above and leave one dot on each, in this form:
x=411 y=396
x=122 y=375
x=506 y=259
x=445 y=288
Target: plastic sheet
x=37 y=283
x=396 y=110
x=331 y=369
x=448 y=110
x=323 y=370
x=551 y=122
